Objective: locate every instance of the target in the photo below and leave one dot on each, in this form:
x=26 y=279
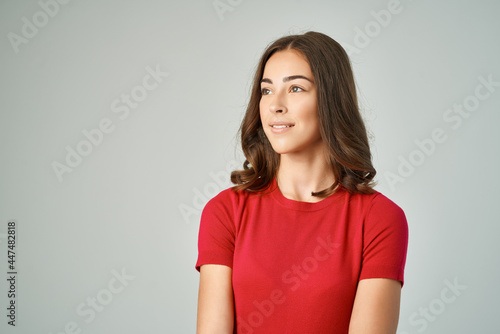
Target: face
x=288 y=105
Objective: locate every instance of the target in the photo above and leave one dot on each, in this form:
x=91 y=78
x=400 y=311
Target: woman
x=302 y=243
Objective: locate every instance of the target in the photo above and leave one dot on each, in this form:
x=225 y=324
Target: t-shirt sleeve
x=385 y=241
x=216 y=233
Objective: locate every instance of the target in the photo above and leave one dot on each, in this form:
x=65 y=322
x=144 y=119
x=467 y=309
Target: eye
x=264 y=91
x=294 y=89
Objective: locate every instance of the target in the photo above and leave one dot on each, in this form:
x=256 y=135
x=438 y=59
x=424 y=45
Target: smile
x=280 y=128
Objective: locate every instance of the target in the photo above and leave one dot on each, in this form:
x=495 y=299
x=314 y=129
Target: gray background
x=133 y=203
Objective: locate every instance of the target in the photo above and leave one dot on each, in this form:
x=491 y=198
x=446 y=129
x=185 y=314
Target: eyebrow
x=285 y=79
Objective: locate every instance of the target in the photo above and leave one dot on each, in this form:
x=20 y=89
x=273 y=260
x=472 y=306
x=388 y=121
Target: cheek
x=262 y=107
x=310 y=119
x=262 y=116
x=310 y=112
x=263 y=120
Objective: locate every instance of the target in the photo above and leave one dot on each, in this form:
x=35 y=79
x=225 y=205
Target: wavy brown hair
x=341 y=124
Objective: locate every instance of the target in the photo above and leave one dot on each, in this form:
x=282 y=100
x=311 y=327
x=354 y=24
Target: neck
x=300 y=173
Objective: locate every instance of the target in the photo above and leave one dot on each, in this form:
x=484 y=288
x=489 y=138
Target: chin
x=283 y=150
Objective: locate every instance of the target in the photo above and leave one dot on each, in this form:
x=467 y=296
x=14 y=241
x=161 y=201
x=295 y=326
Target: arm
x=215 y=300
x=376 y=307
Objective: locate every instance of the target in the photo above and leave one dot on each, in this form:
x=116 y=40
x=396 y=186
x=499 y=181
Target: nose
x=278 y=104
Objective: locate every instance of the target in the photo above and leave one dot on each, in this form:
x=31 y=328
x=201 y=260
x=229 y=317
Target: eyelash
x=264 y=89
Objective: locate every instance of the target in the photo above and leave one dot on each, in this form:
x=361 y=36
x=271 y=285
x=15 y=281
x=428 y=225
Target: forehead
x=287 y=62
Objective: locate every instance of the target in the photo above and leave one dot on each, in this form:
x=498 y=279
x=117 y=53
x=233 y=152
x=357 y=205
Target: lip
x=280 y=123
x=280 y=130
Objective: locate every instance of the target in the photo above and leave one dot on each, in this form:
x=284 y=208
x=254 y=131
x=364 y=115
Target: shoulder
x=222 y=213
x=381 y=205
x=383 y=214
x=228 y=195
x=380 y=202
x=374 y=204
x=227 y=200
x=377 y=212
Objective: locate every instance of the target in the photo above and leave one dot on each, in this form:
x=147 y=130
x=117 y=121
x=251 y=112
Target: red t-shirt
x=296 y=264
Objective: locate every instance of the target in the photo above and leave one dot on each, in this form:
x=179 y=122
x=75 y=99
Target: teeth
x=282 y=126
